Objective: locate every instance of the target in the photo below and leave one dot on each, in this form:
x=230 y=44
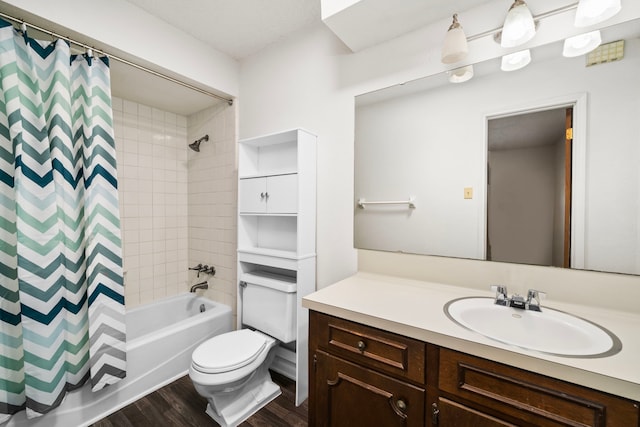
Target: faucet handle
x=533 y=294
x=501 y=291
x=501 y=294
x=534 y=299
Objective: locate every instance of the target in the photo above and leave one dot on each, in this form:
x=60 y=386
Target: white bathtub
x=160 y=339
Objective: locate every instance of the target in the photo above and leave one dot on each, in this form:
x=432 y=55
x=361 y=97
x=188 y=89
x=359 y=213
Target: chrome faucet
x=201 y=285
x=516 y=301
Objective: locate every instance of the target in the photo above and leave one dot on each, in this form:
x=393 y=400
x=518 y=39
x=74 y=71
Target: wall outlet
x=468 y=193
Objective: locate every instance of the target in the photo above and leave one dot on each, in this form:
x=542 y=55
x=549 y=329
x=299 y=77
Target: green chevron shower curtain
x=61 y=279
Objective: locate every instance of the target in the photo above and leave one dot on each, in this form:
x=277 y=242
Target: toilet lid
x=228 y=351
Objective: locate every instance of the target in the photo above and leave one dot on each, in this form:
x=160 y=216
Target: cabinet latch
x=435 y=413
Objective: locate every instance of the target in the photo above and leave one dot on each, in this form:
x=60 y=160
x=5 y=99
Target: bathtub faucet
x=201 y=285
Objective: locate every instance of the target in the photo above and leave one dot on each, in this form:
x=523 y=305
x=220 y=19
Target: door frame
x=578 y=173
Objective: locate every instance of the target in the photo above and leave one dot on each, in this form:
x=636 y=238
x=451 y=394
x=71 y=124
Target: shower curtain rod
x=117 y=58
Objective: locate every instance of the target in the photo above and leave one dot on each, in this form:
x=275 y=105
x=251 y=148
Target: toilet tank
x=269 y=304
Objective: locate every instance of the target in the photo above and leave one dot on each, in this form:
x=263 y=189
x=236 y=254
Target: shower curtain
x=61 y=278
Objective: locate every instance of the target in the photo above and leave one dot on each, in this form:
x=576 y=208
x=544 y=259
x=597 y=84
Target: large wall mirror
x=485 y=169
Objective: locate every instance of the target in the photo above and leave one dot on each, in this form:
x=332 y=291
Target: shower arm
x=195 y=146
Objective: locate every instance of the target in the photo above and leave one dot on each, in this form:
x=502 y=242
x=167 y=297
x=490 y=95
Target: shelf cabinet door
x=252 y=195
x=349 y=395
x=282 y=194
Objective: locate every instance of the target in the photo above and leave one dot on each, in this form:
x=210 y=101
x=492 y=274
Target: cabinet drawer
x=454 y=414
x=387 y=352
x=529 y=397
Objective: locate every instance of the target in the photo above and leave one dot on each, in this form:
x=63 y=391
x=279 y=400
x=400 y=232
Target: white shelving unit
x=277 y=231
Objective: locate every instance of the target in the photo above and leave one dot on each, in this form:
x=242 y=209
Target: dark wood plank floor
x=179 y=405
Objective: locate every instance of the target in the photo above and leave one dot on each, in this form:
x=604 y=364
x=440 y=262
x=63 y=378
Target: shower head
x=195 y=146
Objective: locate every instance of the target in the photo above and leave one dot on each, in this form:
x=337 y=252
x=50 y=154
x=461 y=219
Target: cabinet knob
x=262 y=195
x=361 y=345
x=402 y=405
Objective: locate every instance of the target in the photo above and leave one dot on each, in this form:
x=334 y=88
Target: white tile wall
x=212 y=189
x=151 y=149
x=177 y=207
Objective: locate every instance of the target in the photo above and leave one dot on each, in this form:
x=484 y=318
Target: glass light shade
x=460 y=75
x=581 y=44
x=454 y=48
x=519 y=26
x=516 y=60
x=591 y=12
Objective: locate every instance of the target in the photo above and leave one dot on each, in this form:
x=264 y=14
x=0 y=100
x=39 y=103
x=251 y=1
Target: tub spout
x=201 y=285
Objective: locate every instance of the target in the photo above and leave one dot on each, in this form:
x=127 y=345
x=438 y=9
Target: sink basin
x=549 y=331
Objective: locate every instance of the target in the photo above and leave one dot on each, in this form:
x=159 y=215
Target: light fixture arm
x=517 y=3
x=455 y=23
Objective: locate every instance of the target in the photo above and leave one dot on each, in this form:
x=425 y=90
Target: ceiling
x=238 y=28
x=527 y=130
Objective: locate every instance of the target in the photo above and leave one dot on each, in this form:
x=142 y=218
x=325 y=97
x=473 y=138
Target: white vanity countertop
x=416 y=309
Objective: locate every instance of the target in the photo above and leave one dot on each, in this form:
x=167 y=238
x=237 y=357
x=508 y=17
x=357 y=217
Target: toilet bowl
x=231 y=371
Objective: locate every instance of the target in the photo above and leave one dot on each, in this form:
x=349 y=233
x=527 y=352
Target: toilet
x=231 y=370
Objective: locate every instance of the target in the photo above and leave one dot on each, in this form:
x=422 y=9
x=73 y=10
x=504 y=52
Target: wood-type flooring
x=179 y=405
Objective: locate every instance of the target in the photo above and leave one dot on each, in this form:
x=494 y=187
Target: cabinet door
x=349 y=395
x=252 y=195
x=282 y=194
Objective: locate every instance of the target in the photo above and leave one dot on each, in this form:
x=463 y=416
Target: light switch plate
x=468 y=193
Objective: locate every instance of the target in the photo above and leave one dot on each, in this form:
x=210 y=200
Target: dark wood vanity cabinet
x=362 y=376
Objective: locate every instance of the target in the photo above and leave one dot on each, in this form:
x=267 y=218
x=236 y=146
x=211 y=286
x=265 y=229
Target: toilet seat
x=228 y=351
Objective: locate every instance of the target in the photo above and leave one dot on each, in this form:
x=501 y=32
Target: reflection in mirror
x=431 y=140
x=529 y=188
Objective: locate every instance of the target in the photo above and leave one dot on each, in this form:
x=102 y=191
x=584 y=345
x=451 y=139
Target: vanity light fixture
x=581 y=44
x=591 y=12
x=454 y=48
x=519 y=26
x=516 y=60
x=460 y=75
